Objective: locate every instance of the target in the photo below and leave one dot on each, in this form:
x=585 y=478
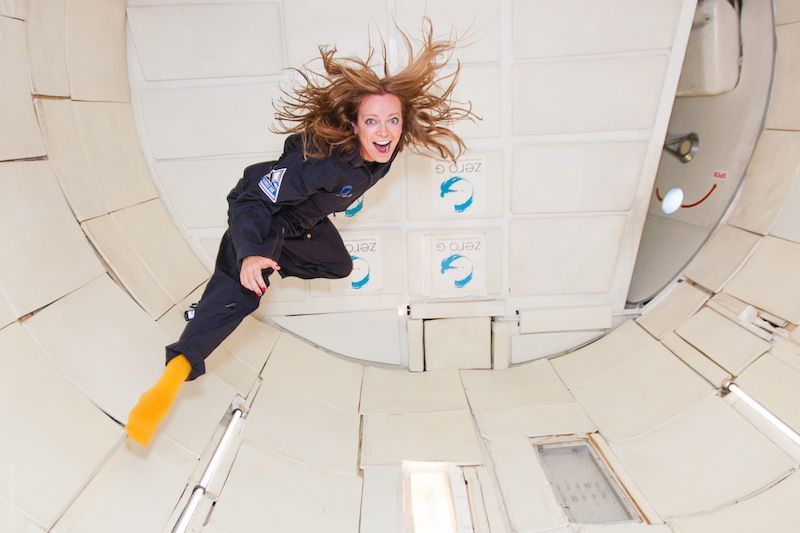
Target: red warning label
x=721 y=175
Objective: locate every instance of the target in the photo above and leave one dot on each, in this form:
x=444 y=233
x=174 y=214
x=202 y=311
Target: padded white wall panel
x=390 y=439
x=196 y=188
x=96 y=54
x=624 y=403
x=313 y=23
x=51 y=256
x=47 y=47
x=149 y=477
x=69 y=159
x=701 y=460
x=483 y=170
x=568 y=178
x=564 y=319
x=478 y=21
x=305 y=430
x=397 y=391
x=784 y=113
x=151 y=233
x=51 y=445
x=673 y=236
x=722 y=340
x=108 y=136
x=787 y=225
x=576 y=27
x=14 y=8
x=6 y=313
x=415 y=329
x=382 y=500
x=588 y=95
x=370 y=335
x=538 y=345
x=613 y=349
x=775 y=509
x=24 y=139
x=721 y=257
x=564 y=255
x=697 y=360
x=774 y=167
x=205 y=121
x=787 y=11
x=12 y=520
x=769 y=279
x=299 y=366
x=520 y=386
x=682 y=301
x=480 y=85
x=265 y=488
x=458 y=343
x=207 y=41
x=771 y=381
x=529 y=498
x=114 y=368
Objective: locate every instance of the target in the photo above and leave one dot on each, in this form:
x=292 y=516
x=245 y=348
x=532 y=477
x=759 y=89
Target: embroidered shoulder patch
x=271 y=183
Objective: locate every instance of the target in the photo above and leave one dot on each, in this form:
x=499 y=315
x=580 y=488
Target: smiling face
x=379 y=126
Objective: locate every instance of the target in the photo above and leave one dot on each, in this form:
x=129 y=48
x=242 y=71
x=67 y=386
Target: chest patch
x=346 y=191
x=271 y=183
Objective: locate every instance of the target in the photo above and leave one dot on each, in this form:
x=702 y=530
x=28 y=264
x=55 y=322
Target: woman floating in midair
x=346 y=126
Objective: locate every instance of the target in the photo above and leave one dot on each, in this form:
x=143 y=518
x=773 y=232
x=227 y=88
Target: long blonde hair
x=324 y=109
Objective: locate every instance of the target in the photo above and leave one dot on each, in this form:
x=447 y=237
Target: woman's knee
x=342 y=269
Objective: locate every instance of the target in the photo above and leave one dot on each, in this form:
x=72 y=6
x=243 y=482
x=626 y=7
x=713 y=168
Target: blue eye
x=394 y=120
x=369 y=121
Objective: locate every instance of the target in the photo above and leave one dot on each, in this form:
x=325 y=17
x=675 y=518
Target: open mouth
x=382 y=147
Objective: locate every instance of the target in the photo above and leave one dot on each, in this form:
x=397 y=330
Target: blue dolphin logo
x=447 y=188
x=359 y=283
x=448 y=264
x=355 y=208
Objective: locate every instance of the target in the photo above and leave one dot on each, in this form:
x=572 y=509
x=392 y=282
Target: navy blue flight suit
x=279 y=209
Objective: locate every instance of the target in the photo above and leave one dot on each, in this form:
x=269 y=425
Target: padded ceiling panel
x=206 y=121
x=570 y=178
x=586 y=95
x=581 y=254
x=47 y=47
x=207 y=41
x=96 y=55
x=24 y=139
x=576 y=27
x=51 y=256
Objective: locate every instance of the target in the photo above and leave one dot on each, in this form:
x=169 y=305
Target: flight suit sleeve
x=263 y=191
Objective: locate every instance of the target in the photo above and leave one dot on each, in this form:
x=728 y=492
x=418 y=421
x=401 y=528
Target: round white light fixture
x=672 y=200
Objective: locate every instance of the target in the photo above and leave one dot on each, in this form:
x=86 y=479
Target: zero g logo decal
x=365 y=252
x=458 y=265
x=360 y=274
x=462 y=191
x=354 y=208
x=346 y=191
x=459 y=188
x=461 y=267
x=271 y=183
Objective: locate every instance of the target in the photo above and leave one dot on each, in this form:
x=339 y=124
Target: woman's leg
x=320 y=253
x=224 y=304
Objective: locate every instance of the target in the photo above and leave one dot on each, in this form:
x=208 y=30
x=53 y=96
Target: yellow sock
x=154 y=404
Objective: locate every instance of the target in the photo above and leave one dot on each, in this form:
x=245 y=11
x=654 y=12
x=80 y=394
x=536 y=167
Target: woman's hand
x=250 y=275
